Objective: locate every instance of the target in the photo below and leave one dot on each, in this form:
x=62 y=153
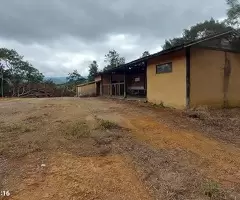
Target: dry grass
x=101 y=149
x=77 y=130
x=33 y=119
x=12 y=145
x=221 y=124
x=106 y=124
x=15 y=129
x=226 y=118
x=214 y=191
x=19 y=148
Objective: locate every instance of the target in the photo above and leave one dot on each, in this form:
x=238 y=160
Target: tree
x=93 y=70
x=197 y=31
x=113 y=59
x=15 y=72
x=2 y=77
x=75 y=78
x=145 y=54
x=233 y=13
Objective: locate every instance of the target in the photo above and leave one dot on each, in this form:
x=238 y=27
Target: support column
x=111 y=84
x=188 y=80
x=145 y=71
x=125 y=86
x=101 y=86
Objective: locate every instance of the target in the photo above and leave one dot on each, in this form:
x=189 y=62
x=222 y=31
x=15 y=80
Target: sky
x=58 y=36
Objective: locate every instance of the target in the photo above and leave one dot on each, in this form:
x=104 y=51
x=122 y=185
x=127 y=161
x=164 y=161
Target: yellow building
x=87 y=90
x=201 y=72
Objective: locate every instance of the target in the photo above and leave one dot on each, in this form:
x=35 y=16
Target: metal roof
x=173 y=49
x=87 y=83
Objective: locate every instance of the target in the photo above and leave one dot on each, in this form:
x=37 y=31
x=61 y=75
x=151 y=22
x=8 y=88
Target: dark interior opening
x=98 y=88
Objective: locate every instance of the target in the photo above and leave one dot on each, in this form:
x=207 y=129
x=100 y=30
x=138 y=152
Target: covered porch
x=126 y=81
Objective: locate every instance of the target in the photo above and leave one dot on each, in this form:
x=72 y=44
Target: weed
x=33 y=119
x=16 y=128
x=11 y=128
x=212 y=190
x=160 y=105
x=105 y=124
x=78 y=130
x=27 y=130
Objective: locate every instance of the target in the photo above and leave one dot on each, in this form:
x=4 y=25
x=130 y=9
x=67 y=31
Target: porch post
x=111 y=84
x=125 y=85
x=101 y=86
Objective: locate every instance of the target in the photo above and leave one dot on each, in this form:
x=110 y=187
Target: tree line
x=199 y=30
x=16 y=73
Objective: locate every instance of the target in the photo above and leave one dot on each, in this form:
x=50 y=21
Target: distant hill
x=57 y=80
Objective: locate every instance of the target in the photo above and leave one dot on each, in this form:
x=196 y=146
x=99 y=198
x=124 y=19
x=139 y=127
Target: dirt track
x=70 y=148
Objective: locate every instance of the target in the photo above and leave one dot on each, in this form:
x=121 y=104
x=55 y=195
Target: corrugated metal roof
x=173 y=49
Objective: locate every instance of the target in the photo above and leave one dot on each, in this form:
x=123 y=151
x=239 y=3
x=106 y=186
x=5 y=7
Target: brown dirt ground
x=93 y=148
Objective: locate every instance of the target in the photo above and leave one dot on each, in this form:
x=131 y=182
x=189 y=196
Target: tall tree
x=145 y=54
x=93 y=70
x=15 y=72
x=75 y=78
x=113 y=59
x=233 y=13
x=197 y=31
x=2 y=77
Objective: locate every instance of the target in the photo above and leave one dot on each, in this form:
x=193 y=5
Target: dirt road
x=90 y=148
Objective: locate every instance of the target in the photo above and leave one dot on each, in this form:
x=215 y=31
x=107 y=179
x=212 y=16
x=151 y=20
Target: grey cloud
x=58 y=36
x=33 y=20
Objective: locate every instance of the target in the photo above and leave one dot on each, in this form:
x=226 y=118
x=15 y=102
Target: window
x=164 y=68
x=137 y=79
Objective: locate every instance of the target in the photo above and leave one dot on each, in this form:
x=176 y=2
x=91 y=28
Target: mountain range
x=57 y=80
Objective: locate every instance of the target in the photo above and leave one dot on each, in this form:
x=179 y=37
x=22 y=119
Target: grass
x=10 y=128
x=18 y=148
x=211 y=189
x=33 y=119
x=215 y=192
x=77 y=130
x=107 y=125
x=161 y=105
x=81 y=129
x=15 y=128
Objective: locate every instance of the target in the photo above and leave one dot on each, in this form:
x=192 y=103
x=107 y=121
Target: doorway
x=98 y=85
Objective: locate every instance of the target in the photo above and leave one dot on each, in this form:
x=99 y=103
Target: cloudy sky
x=58 y=36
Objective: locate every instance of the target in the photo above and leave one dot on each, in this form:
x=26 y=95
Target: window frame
x=168 y=63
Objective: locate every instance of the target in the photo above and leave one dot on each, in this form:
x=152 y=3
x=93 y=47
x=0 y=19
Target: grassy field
x=92 y=148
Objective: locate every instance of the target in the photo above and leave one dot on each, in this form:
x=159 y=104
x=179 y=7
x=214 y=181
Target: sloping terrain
x=90 y=148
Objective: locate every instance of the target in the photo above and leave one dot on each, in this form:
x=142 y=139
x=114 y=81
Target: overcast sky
x=57 y=36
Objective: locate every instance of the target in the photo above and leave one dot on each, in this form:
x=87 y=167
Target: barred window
x=164 y=68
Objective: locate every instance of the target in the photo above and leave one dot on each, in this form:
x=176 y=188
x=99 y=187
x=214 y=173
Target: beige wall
x=86 y=90
x=234 y=82
x=207 y=78
x=169 y=88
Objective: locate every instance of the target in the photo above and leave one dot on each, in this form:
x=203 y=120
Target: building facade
x=204 y=72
